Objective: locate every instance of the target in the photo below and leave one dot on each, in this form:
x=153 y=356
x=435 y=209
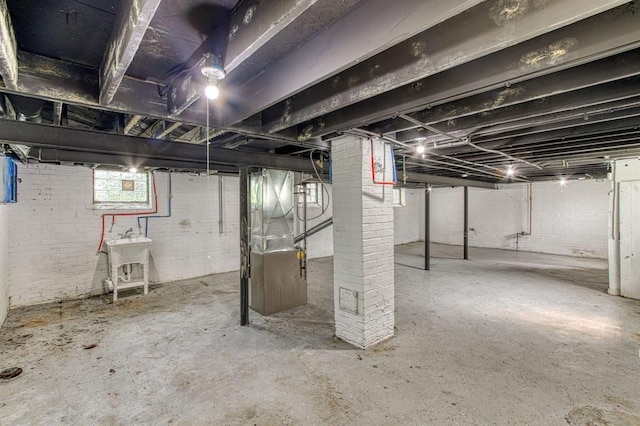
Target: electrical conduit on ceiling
x=467 y=141
x=114 y=215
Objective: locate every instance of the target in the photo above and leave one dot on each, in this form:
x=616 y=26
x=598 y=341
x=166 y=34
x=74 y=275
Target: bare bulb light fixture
x=510 y=171
x=420 y=149
x=213 y=71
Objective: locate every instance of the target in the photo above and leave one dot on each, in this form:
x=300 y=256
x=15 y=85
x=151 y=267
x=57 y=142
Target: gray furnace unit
x=278 y=281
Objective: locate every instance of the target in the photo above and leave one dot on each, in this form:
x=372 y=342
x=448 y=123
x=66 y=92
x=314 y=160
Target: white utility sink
x=129 y=241
x=128 y=251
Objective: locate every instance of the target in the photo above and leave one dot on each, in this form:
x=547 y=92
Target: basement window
x=314 y=194
x=398 y=197
x=121 y=190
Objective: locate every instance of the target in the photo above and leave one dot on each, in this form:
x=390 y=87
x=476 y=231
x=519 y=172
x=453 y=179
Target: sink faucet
x=128 y=233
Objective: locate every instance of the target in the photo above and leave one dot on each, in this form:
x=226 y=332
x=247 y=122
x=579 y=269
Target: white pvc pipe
x=614 y=267
x=614 y=237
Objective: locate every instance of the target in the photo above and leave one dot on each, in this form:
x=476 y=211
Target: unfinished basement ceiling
x=548 y=88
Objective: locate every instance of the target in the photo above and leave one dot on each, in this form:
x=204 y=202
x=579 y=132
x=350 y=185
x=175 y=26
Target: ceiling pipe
x=516 y=177
x=418 y=177
x=447 y=180
x=467 y=141
x=499 y=175
x=27 y=109
x=367 y=133
x=459 y=166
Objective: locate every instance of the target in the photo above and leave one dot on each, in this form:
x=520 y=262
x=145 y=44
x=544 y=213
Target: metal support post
x=466 y=223
x=244 y=246
x=427 y=228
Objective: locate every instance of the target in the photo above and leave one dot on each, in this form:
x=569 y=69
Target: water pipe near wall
x=146 y=218
x=614 y=236
x=373 y=168
x=220 y=207
x=114 y=215
x=530 y=203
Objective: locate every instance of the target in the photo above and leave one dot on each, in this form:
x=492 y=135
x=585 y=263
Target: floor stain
x=591 y=416
x=384 y=349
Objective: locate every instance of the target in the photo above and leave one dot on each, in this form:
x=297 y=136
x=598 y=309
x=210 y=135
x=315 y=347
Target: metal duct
x=27 y=109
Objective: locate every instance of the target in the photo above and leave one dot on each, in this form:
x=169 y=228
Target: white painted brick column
x=363 y=244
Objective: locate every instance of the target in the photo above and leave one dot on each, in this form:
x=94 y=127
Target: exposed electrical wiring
x=314 y=165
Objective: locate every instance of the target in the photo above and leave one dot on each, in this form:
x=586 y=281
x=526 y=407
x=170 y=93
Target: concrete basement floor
x=505 y=338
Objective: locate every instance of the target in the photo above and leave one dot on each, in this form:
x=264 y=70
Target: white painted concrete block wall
x=55 y=232
x=408 y=219
x=4 y=261
x=569 y=220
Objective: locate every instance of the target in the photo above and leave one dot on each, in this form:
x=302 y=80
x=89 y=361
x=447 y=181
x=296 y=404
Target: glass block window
x=120 y=189
x=398 y=196
x=314 y=194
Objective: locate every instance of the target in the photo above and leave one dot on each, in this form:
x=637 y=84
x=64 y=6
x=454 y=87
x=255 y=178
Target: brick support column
x=362 y=242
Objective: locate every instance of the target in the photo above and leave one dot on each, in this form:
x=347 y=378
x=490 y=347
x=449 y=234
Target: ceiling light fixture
x=563 y=182
x=420 y=149
x=510 y=171
x=213 y=71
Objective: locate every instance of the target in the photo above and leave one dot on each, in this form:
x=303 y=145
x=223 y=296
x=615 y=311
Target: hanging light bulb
x=510 y=171
x=214 y=72
x=420 y=149
x=212 y=91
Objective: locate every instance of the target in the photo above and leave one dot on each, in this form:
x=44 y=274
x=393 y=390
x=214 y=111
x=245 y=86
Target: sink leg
x=114 y=278
x=145 y=277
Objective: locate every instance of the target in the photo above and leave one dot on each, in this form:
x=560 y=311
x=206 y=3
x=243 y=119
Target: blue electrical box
x=8 y=180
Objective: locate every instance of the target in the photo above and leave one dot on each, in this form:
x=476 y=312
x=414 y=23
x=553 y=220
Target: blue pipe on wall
x=393 y=161
x=146 y=218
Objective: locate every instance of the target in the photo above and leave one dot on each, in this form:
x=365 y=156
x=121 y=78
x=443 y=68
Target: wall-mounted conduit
x=220 y=206
x=373 y=166
x=530 y=205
